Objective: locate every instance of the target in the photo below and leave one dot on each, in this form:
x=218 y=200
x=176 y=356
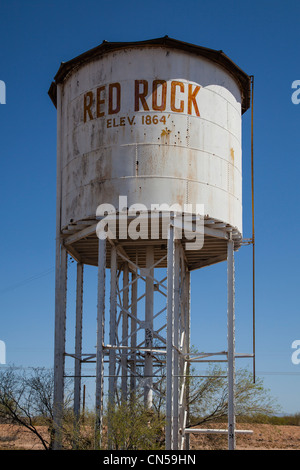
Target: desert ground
x=264 y=437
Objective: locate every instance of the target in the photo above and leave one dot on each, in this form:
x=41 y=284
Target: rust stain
x=165 y=136
x=232 y=154
x=165 y=132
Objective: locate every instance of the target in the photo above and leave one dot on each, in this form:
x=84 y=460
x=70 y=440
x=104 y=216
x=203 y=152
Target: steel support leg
x=133 y=338
x=184 y=347
x=100 y=340
x=170 y=332
x=177 y=328
x=78 y=351
x=112 y=326
x=60 y=338
x=125 y=332
x=188 y=339
x=149 y=326
x=112 y=339
x=78 y=340
x=231 y=345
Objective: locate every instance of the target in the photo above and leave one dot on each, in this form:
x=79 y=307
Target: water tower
x=149 y=188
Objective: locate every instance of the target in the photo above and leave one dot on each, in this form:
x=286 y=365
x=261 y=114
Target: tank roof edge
x=243 y=79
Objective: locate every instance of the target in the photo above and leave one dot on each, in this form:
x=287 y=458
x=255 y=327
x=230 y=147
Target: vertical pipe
x=125 y=332
x=100 y=339
x=83 y=404
x=148 y=371
x=253 y=227
x=78 y=340
x=170 y=312
x=231 y=345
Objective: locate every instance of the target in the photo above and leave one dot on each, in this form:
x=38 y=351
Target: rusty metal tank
x=158 y=121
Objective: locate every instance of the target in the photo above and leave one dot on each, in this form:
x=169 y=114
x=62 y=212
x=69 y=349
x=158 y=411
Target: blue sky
x=262 y=37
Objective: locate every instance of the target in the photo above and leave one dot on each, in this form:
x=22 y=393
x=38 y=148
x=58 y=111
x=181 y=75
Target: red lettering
x=100 y=101
x=87 y=104
x=192 y=99
x=111 y=88
x=174 y=85
x=155 y=85
x=140 y=96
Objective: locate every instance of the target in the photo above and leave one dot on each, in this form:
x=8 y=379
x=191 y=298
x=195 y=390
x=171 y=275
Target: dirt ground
x=14 y=437
x=264 y=437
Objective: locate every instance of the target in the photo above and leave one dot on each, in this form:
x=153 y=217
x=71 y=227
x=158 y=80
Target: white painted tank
x=158 y=121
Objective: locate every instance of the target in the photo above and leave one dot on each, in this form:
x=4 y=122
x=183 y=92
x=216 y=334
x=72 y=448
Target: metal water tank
x=158 y=121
